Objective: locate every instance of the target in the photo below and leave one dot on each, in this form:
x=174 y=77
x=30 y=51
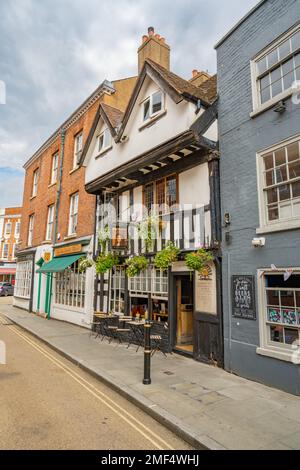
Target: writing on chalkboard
x=243 y=297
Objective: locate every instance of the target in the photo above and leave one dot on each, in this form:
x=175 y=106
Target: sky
x=54 y=53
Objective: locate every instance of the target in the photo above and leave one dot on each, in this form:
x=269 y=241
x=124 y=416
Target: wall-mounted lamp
x=227 y=219
x=280 y=107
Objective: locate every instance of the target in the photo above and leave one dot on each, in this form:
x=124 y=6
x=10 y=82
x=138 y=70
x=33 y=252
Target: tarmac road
x=46 y=402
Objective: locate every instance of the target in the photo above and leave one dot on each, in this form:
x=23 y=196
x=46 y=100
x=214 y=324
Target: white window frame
x=30 y=229
x=23 y=279
x=259 y=107
x=150 y=100
x=73 y=215
x=17 y=231
x=107 y=141
x=54 y=168
x=117 y=286
x=13 y=251
x=7 y=254
x=50 y=221
x=70 y=288
x=267 y=347
x=78 y=146
x=8 y=233
x=276 y=225
x=35 y=182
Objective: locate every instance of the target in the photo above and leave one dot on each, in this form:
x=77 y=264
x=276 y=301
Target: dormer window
x=153 y=105
x=104 y=141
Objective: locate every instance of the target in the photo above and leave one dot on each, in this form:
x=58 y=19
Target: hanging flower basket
x=166 y=257
x=84 y=264
x=136 y=265
x=199 y=261
x=105 y=262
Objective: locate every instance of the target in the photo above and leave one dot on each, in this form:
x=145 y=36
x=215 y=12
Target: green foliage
x=84 y=264
x=200 y=260
x=105 y=262
x=166 y=257
x=136 y=265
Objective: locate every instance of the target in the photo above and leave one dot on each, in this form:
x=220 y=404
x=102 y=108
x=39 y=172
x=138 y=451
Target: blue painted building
x=259 y=122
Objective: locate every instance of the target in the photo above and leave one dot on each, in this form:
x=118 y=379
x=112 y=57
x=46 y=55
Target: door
x=184 y=314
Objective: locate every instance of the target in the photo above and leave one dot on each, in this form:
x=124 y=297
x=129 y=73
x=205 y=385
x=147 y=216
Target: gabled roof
x=178 y=88
x=112 y=118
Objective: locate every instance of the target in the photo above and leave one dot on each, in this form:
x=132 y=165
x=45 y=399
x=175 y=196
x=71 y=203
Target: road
x=46 y=402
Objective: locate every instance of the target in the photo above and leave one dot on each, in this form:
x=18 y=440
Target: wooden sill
x=152 y=120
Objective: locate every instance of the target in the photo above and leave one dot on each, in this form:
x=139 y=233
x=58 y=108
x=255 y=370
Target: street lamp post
x=147 y=353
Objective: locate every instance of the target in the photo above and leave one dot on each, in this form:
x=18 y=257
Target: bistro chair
x=156 y=340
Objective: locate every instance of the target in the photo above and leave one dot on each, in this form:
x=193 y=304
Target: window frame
x=8 y=233
x=5 y=244
x=149 y=100
x=256 y=76
x=54 y=168
x=117 y=287
x=35 y=182
x=23 y=281
x=70 y=288
x=154 y=185
x=17 y=232
x=108 y=145
x=267 y=347
x=50 y=222
x=266 y=226
x=72 y=214
x=77 y=152
x=30 y=229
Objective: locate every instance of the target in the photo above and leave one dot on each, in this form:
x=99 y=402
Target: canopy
x=57 y=265
x=7 y=270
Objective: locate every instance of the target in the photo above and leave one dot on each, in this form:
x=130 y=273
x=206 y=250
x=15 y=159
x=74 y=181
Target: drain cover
x=168 y=372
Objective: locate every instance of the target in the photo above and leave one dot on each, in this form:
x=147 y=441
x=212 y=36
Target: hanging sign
x=119 y=237
x=243 y=297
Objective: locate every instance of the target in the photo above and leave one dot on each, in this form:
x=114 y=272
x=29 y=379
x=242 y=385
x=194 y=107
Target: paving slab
x=207 y=406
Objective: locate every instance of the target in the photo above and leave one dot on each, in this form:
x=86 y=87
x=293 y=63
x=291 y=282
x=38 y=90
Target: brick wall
x=11 y=215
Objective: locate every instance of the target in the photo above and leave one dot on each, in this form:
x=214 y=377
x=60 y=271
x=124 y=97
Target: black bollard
x=147 y=353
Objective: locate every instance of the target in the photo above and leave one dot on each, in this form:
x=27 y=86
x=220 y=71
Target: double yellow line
x=137 y=425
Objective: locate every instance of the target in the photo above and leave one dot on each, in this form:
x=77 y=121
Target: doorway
x=184 y=314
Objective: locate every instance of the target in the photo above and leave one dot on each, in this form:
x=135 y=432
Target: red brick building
x=10 y=221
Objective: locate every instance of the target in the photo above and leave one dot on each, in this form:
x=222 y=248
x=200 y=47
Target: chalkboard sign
x=243 y=297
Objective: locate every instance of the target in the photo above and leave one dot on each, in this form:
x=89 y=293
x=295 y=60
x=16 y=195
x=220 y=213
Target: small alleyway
x=212 y=407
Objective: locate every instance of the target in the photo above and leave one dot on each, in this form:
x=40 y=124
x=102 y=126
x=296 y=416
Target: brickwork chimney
x=155 y=48
x=198 y=77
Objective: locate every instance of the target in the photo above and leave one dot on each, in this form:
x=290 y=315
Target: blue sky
x=54 y=53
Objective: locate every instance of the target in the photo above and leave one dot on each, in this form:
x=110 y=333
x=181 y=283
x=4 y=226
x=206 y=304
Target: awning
x=57 y=265
x=7 y=270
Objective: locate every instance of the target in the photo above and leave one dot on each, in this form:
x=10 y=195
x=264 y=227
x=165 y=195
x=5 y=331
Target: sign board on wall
x=243 y=297
x=119 y=237
x=68 y=250
x=206 y=291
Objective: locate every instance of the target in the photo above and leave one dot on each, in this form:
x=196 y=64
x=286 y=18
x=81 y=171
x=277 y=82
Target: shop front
x=24 y=283
x=68 y=292
x=182 y=305
x=8 y=273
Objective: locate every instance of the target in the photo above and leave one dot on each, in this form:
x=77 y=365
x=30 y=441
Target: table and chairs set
x=125 y=330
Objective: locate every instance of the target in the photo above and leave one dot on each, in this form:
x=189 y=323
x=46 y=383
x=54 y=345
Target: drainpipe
x=59 y=186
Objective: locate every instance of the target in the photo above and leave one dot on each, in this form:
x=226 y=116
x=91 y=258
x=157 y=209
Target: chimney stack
x=199 y=77
x=154 y=47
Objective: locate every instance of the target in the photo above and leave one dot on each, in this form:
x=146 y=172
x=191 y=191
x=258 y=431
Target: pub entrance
x=184 y=324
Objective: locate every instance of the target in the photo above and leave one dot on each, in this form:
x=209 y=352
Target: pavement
x=206 y=406
x=46 y=402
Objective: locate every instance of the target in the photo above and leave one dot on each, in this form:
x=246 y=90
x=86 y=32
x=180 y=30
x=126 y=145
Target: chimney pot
x=150 y=31
x=195 y=72
x=144 y=38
